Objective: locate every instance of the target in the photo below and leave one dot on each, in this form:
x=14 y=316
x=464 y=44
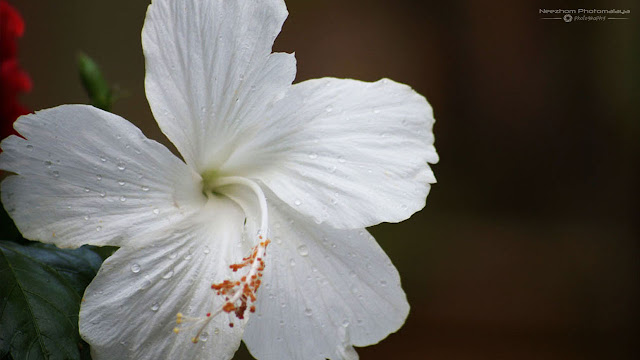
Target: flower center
x=239 y=295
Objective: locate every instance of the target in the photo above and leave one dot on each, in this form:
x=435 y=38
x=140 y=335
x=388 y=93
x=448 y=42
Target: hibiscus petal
x=324 y=291
x=210 y=72
x=84 y=178
x=346 y=152
x=130 y=308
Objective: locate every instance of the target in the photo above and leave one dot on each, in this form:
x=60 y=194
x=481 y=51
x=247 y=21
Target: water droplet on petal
x=329 y=108
x=206 y=250
x=121 y=182
x=87 y=217
x=297 y=202
x=204 y=336
x=103 y=194
x=308 y=312
x=103 y=159
x=135 y=268
x=145 y=283
x=87 y=189
x=313 y=156
x=123 y=198
x=292 y=262
x=155 y=306
x=99 y=177
x=121 y=166
x=216 y=331
x=145 y=188
x=168 y=275
x=156 y=211
x=303 y=250
x=341 y=159
x=98 y=228
x=345 y=322
x=188 y=257
x=30 y=147
x=383 y=283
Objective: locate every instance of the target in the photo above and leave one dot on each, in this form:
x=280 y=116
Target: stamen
x=238 y=294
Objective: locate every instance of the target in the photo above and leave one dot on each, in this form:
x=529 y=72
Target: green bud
x=94 y=83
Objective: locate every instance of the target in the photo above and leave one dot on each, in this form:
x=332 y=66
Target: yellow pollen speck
x=194 y=340
x=176 y=330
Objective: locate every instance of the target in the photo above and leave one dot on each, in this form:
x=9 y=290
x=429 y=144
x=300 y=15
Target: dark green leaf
x=94 y=83
x=41 y=288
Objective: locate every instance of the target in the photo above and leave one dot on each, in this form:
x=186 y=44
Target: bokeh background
x=528 y=247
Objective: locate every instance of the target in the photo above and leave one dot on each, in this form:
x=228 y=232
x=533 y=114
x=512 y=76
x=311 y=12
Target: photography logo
x=575 y=15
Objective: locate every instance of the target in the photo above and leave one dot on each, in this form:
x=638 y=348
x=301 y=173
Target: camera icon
x=567 y=18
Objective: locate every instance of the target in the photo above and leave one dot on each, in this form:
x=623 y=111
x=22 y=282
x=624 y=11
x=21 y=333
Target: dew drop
x=155 y=306
x=341 y=159
x=313 y=156
x=135 y=268
x=123 y=198
x=87 y=217
x=121 y=166
x=333 y=168
x=292 y=262
x=281 y=322
x=216 y=331
x=30 y=147
x=121 y=182
x=145 y=283
x=345 y=322
x=188 y=257
x=206 y=250
x=156 y=211
x=329 y=108
x=99 y=177
x=173 y=256
x=168 y=275
x=87 y=189
x=145 y=188
x=308 y=312
x=204 y=336
x=303 y=250
x=297 y=202
x=383 y=283
x=103 y=194
x=103 y=159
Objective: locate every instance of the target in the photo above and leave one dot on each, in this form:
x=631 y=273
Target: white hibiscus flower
x=307 y=166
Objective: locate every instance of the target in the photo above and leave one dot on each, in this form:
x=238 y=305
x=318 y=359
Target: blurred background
x=528 y=247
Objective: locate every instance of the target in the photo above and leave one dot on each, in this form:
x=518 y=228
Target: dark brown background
x=528 y=247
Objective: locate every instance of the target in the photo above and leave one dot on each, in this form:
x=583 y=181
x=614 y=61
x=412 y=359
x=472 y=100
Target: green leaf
x=41 y=287
x=94 y=83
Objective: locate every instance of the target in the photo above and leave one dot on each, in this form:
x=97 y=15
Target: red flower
x=13 y=80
